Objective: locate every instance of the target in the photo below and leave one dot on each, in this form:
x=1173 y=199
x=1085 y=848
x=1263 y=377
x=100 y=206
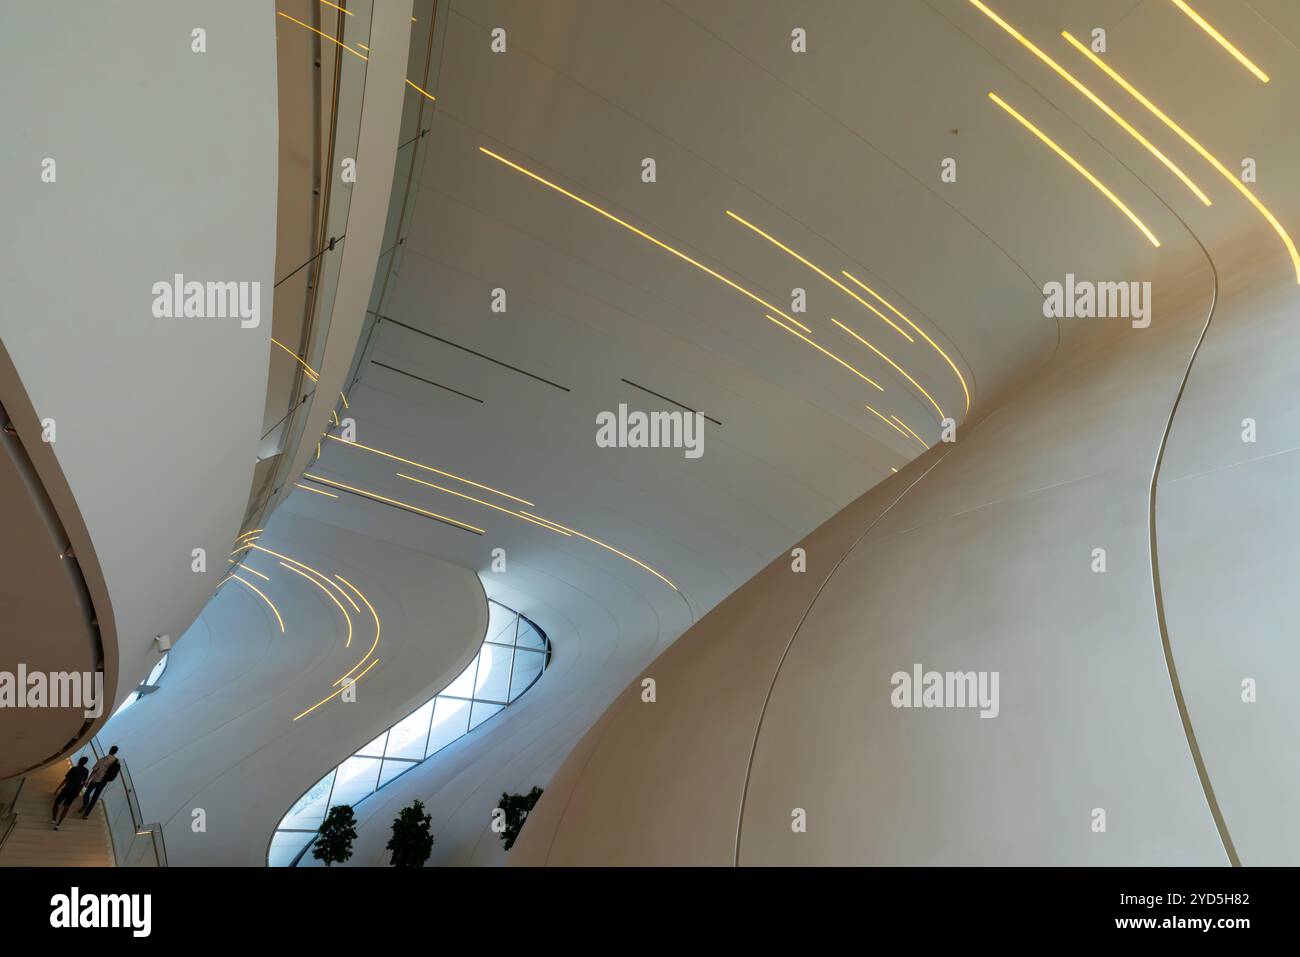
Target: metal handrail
x=9 y=813
x=153 y=831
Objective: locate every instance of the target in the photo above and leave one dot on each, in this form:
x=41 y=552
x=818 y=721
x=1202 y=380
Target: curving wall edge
x=980 y=556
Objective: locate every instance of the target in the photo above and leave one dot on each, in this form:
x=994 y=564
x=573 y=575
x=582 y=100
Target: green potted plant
x=334 y=842
x=515 y=809
x=411 y=842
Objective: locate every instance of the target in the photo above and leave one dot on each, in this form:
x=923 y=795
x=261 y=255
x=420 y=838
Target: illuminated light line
x=642 y=233
x=596 y=541
x=318 y=491
x=909 y=431
x=325 y=35
x=821 y=272
x=336 y=693
x=888 y=422
x=921 y=332
x=1194 y=144
x=430 y=468
x=261 y=595
x=335 y=416
x=315 y=376
x=894 y=470
x=471 y=498
x=394 y=502
x=363 y=46
x=315 y=571
x=1096 y=101
x=796 y=332
x=1220 y=39
x=378 y=627
x=901 y=370
x=338 y=8
x=1078 y=167
x=329 y=594
x=422 y=91
x=343 y=396
x=247 y=569
x=251 y=531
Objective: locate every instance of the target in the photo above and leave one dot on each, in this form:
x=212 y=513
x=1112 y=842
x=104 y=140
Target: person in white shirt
x=102 y=775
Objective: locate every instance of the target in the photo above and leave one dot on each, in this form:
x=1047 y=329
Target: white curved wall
x=148 y=138
x=220 y=735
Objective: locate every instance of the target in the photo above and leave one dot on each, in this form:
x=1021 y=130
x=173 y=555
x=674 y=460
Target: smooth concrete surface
x=219 y=735
x=165 y=163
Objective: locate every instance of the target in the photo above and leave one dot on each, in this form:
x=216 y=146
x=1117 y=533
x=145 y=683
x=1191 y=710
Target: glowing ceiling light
x=1078 y=168
x=909 y=431
x=934 y=345
x=642 y=233
x=796 y=332
x=325 y=35
x=888 y=422
x=318 y=491
x=346 y=617
x=901 y=370
x=1194 y=144
x=261 y=595
x=394 y=502
x=430 y=468
x=1096 y=101
x=471 y=498
x=378 y=628
x=338 y=8
x=337 y=693
x=1221 y=40
x=421 y=90
x=248 y=569
x=596 y=541
x=821 y=272
x=315 y=376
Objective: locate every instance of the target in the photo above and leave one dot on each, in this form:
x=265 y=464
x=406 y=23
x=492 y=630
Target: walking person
x=68 y=791
x=102 y=775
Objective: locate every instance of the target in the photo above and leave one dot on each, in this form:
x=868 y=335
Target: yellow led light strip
x=430 y=468
x=595 y=541
x=261 y=595
x=1194 y=144
x=318 y=491
x=1221 y=40
x=325 y=35
x=248 y=569
x=643 y=234
x=909 y=431
x=1096 y=101
x=471 y=498
x=303 y=565
x=337 y=693
x=392 y=501
x=336 y=7
x=796 y=332
x=420 y=90
x=901 y=370
x=329 y=595
x=946 y=358
x=888 y=422
x=1078 y=168
x=378 y=628
x=315 y=376
x=821 y=272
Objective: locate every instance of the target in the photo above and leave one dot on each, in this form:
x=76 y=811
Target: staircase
x=34 y=842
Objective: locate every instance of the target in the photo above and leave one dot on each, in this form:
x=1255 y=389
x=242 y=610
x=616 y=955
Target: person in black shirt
x=102 y=775
x=68 y=791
